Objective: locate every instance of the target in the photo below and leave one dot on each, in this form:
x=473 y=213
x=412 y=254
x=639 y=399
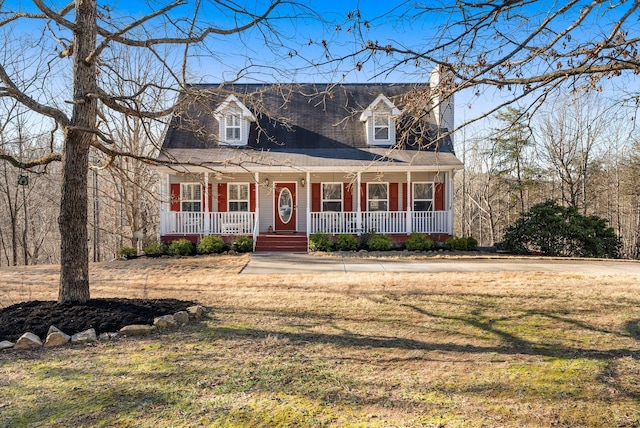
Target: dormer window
x=234 y=119
x=379 y=118
x=233 y=127
x=381 y=124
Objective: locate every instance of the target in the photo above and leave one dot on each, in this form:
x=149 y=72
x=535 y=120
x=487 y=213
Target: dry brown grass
x=379 y=349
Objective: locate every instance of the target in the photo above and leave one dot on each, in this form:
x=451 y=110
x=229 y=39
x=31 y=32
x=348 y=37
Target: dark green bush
x=472 y=243
x=346 y=242
x=418 y=242
x=242 y=244
x=127 y=252
x=210 y=244
x=181 y=247
x=364 y=238
x=456 y=244
x=555 y=230
x=320 y=242
x=379 y=242
x=155 y=249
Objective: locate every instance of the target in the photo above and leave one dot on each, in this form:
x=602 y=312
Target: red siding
x=347 y=197
x=252 y=197
x=175 y=197
x=222 y=197
x=315 y=197
x=393 y=196
x=209 y=187
x=438 y=197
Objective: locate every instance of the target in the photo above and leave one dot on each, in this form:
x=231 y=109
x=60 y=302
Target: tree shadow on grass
x=515 y=345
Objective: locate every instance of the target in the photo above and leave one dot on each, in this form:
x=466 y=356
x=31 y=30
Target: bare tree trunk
x=74 y=247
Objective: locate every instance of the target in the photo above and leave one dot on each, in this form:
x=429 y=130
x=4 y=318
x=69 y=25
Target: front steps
x=285 y=242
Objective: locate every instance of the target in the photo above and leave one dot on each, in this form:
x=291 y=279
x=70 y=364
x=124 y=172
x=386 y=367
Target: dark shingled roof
x=296 y=116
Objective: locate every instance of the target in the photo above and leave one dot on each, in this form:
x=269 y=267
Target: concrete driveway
x=291 y=263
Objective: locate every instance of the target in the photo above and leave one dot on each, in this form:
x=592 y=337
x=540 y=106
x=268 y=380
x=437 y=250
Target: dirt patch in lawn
x=104 y=315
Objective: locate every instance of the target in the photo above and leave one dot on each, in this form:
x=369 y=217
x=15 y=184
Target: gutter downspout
x=256 y=221
x=308 y=213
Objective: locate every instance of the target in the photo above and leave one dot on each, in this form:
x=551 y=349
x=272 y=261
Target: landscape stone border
x=56 y=337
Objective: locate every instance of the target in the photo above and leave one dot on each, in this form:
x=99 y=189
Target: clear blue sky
x=321 y=20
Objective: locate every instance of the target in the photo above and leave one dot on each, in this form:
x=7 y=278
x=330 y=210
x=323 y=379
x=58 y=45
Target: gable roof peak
x=229 y=102
x=368 y=112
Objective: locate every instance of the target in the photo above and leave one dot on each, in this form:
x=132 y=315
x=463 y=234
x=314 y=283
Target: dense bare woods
x=578 y=152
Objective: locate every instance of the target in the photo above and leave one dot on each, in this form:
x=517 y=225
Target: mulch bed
x=104 y=315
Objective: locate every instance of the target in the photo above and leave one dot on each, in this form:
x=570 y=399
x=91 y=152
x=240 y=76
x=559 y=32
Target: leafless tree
x=64 y=69
x=518 y=51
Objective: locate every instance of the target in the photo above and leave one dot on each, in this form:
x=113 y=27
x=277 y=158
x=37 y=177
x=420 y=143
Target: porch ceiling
x=314 y=159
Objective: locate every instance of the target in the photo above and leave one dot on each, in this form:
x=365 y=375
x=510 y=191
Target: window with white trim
x=377 y=197
x=233 y=126
x=422 y=196
x=381 y=125
x=191 y=197
x=238 y=197
x=332 y=197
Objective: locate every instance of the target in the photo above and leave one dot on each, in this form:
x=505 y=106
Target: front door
x=285 y=206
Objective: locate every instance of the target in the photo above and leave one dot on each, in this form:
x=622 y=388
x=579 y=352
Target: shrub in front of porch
x=346 y=242
x=320 y=242
x=379 y=242
x=242 y=244
x=181 y=247
x=155 y=249
x=211 y=244
x=418 y=242
x=461 y=244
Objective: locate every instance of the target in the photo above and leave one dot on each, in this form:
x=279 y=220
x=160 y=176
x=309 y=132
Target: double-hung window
x=232 y=127
x=423 y=196
x=238 y=197
x=332 y=197
x=381 y=124
x=377 y=197
x=190 y=197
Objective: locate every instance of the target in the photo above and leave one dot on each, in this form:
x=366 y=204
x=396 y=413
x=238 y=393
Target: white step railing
x=336 y=223
x=198 y=223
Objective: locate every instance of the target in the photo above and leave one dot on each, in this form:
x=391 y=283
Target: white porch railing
x=336 y=223
x=199 y=223
x=384 y=221
x=431 y=222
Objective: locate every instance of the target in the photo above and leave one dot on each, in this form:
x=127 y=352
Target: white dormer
x=380 y=121
x=234 y=119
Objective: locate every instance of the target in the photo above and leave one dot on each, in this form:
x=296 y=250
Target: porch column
x=207 y=208
x=359 y=204
x=256 y=220
x=449 y=183
x=165 y=204
x=409 y=212
x=308 y=186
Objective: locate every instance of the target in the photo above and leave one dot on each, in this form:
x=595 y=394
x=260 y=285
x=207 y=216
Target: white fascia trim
x=301 y=170
x=368 y=112
x=222 y=108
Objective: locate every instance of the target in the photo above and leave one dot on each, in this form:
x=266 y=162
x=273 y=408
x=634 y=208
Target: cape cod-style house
x=281 y=162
